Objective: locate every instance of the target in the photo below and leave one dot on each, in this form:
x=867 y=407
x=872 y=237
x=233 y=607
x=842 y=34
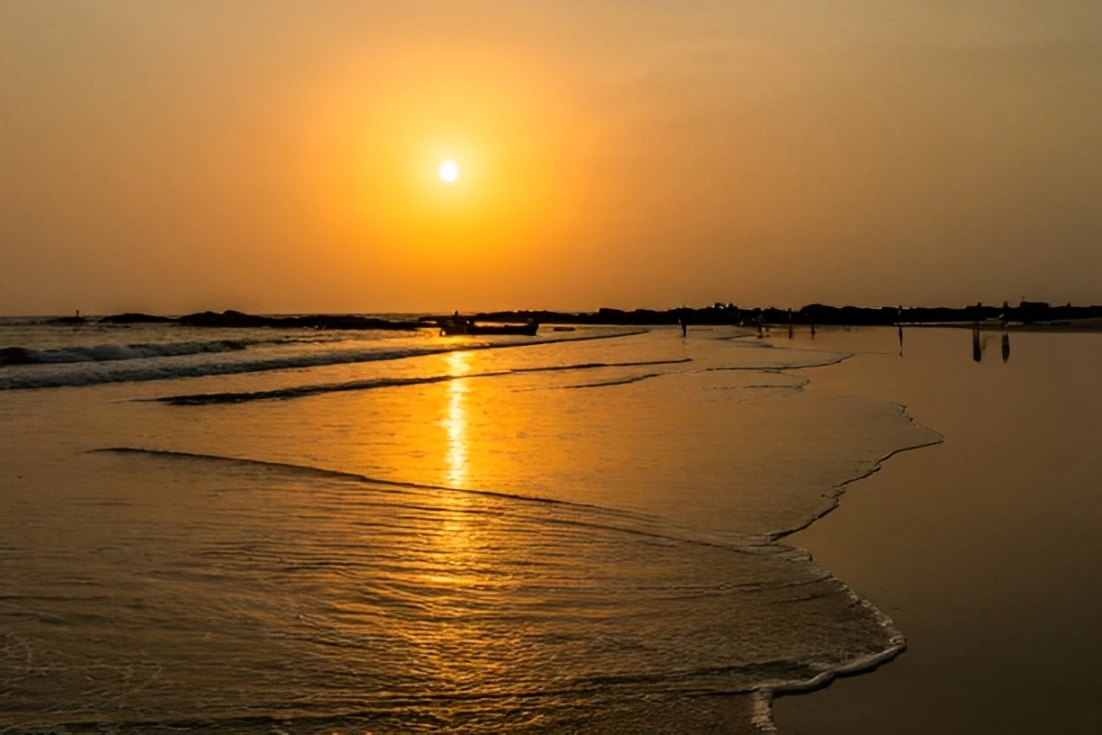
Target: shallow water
x=565 y=537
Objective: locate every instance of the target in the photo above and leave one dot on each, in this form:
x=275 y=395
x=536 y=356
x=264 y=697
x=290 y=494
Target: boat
x=461 y=325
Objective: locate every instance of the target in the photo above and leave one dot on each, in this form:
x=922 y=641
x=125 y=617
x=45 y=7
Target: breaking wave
x=81 y=366
x=154 y=370
x=113 y=352
x=204 y=399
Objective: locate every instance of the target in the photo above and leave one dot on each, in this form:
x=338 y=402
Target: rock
x=135 y=318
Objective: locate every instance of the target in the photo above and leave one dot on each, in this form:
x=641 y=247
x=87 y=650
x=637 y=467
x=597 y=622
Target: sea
x=300 y=531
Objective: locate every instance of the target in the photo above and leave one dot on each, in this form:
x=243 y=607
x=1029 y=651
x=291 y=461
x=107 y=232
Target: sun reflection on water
x=456 y=421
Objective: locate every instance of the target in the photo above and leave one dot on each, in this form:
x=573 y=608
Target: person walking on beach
x=683 y=322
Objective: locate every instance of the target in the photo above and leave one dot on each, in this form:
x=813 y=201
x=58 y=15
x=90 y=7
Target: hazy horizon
x=518 y=308
x=282 y=157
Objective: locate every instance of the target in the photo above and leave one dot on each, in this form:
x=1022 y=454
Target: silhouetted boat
x=461 y=325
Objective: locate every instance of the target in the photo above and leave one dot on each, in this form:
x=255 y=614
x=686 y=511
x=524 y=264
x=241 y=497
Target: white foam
x=91 y=373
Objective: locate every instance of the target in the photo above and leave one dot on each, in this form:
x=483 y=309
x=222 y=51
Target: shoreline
x=841 y=489
x=971 y=548
x=862 y=665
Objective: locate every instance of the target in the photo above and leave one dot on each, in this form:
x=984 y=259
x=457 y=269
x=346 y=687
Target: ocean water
x=268 y=531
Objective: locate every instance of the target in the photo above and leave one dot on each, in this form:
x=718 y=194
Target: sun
x=448 y=171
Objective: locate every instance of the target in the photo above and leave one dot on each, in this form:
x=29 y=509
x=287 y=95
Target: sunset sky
x=284 y=156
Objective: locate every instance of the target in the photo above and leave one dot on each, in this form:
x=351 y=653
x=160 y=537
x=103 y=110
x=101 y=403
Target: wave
x=319 y=472
x=762 y=679
x=205 y=399
x=611 y=383
x=171 y=371
x=597 y=517
x=834 y=359
x=113 y=352
x=97 y=372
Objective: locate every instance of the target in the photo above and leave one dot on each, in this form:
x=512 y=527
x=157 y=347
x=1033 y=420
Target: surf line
x=202 y=399
x=744 y=545
x=340 y=474
x=310 y=360
x=766 y=695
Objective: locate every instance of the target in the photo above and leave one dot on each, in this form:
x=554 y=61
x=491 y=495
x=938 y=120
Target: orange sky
x=276 y=156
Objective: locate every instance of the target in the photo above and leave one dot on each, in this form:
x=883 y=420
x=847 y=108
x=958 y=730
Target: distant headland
x=239 y=320
x=1026 y=313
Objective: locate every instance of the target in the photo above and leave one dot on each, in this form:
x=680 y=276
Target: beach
x=550 y=368
x=983 y=549
x=591 y=531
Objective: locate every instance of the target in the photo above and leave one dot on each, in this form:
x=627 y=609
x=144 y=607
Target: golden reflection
x=456 y=556
x=456 y=421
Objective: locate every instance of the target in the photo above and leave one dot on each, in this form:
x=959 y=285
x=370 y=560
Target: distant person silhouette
x=1006 y=347
x=977 y=348
x=684 y=324
x=899 y=321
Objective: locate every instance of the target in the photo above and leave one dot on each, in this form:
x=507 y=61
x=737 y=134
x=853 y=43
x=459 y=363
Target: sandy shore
x=985 y=550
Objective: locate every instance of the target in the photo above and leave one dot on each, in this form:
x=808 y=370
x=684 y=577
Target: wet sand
x=985 y=550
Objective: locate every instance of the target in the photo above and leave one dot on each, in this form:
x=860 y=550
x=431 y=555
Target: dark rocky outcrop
x=236 y=319
x=1026 y=312
x=240 y=320
x=818 y=314
x=135 y=318
x=230 y=319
